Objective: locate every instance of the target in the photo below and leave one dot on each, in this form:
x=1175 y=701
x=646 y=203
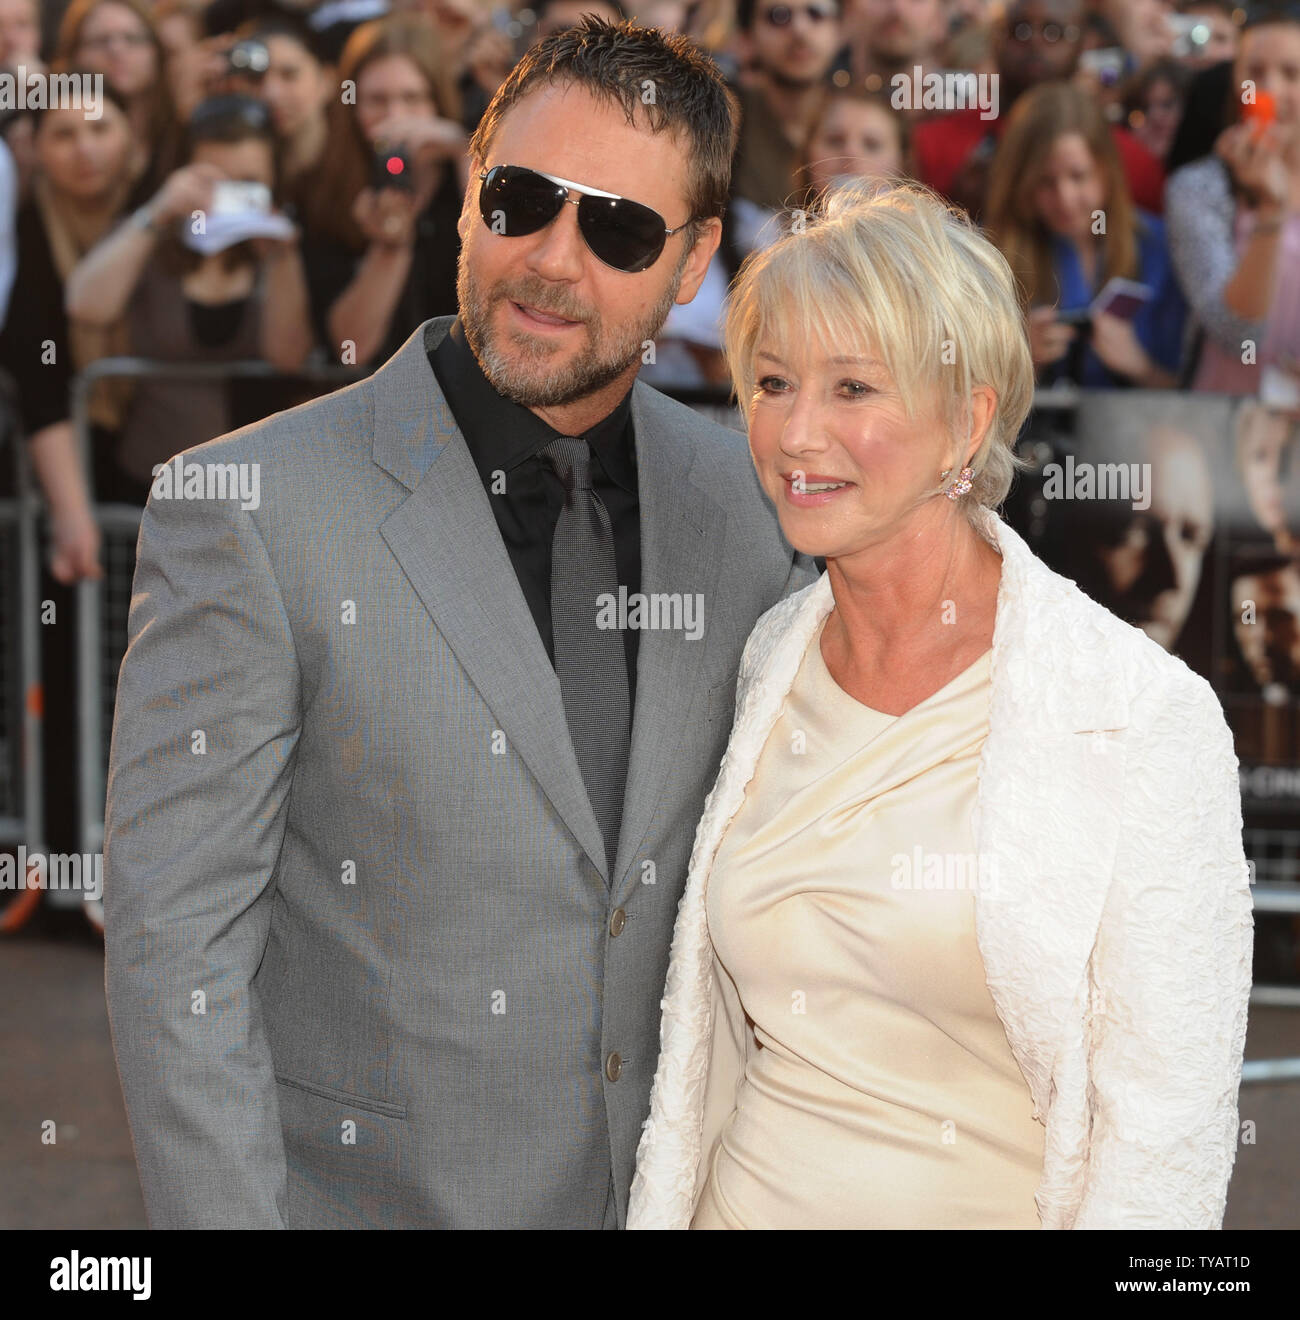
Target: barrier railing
x=22 y=803
x=102 y=608
x=103 y=616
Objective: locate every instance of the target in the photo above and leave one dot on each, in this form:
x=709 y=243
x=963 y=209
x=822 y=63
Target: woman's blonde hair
x=891 y=269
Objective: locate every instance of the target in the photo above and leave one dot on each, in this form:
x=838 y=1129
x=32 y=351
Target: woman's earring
x=963 y=483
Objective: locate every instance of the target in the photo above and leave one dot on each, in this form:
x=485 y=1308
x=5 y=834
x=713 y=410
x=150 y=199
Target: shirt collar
x=501 y=434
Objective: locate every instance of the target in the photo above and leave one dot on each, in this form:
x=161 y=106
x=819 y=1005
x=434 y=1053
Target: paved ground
x=56 y=1064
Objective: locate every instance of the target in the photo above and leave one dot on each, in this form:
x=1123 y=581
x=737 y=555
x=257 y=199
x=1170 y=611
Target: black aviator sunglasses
x=626 y=235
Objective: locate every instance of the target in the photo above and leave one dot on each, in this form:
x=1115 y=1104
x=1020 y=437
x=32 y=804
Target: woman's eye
x=772 y=384
x=856 y=389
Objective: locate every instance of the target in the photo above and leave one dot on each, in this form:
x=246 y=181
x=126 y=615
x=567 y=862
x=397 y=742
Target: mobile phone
x=240 y=197
x=1191 y=34
x=1123 y=298
x=1107 y=65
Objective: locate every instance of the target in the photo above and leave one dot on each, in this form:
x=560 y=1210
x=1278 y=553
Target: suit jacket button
x=614 y=1066
x=617 y=922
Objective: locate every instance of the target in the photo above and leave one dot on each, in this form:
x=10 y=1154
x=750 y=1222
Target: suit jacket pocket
x=389 y=1108
x=344 y=1157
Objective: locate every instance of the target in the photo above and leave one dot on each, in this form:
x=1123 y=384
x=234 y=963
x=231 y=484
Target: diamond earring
x=963 y=483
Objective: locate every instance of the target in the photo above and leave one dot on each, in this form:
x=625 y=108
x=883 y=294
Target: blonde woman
x=966 y=936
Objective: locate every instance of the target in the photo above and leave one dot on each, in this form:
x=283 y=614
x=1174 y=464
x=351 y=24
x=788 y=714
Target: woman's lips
x=810 y=490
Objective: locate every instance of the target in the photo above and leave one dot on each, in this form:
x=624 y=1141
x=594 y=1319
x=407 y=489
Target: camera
x=390 y=167
x=249 y=59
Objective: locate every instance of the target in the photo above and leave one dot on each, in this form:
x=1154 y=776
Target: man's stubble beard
x=524 y=373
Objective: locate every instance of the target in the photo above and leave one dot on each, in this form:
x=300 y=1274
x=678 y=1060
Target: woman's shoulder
x=777 y=621
x=1089 y=638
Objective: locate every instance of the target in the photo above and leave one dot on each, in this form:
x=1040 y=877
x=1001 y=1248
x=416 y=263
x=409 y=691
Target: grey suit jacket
x=364 y=964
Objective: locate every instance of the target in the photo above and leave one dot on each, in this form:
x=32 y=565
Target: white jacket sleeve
x=1170 y=975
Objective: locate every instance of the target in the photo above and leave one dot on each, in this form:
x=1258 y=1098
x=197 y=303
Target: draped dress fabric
x=879 y=1090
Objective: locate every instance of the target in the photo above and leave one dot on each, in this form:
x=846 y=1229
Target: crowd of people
x=1120 y=146
x=285 y=183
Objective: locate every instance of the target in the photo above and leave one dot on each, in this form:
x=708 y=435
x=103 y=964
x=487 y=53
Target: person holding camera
x=1233 y=213
x=203 y=272
x=387 y=262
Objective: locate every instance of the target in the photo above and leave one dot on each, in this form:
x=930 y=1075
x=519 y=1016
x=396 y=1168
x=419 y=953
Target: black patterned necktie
x=589 y=660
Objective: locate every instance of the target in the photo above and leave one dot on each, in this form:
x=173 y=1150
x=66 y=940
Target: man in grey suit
x=410 y=750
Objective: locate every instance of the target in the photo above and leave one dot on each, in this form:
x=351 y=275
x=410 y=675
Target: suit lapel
x=683 y=533
x=445 y=538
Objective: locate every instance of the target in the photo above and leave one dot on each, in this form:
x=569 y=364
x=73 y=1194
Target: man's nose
x=558 y=249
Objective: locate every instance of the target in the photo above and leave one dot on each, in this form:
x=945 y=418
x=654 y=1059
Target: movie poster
x=1181 y=513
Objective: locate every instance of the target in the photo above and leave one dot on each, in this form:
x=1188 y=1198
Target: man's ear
x=697 y=264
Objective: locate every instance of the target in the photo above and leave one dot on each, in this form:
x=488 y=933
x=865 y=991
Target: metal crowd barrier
x=103 y=611
x=102 y=608
x=22 y=799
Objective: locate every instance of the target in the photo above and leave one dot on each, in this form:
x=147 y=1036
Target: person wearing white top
x=883 y=359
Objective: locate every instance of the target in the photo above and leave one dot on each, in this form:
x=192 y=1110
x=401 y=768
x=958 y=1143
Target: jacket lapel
x=683 y=534
x=445 y=538
x=1052 y=780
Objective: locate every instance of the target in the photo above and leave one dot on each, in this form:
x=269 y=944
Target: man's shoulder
x=715 y=443
x=309 y=431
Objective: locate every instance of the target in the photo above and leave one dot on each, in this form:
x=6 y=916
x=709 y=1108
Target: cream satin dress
x=883 y=1093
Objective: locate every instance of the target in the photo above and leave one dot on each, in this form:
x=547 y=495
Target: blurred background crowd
x=265 y=205
x=1138 y=164
x=350 y=118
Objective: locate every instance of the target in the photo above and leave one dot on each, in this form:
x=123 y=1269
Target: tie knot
x=571 y=458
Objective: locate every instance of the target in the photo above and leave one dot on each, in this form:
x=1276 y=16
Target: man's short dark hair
x=618 y=62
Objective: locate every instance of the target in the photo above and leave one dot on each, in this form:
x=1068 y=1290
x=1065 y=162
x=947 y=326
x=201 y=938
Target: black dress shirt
x=505 y=437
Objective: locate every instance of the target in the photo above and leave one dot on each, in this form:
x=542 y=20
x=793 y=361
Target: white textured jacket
x=1116 y=944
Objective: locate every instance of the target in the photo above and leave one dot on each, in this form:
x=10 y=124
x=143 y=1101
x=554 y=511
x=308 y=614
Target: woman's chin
x=807 y=540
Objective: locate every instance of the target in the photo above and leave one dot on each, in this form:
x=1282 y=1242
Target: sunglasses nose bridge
x=555 y=239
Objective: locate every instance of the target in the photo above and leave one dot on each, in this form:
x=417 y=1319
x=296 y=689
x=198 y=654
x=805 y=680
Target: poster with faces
x=1181 y=513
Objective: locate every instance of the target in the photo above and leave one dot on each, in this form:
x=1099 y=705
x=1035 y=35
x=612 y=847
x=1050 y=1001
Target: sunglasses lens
x=516 y=202
x=626 y=235
x=623 y=234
